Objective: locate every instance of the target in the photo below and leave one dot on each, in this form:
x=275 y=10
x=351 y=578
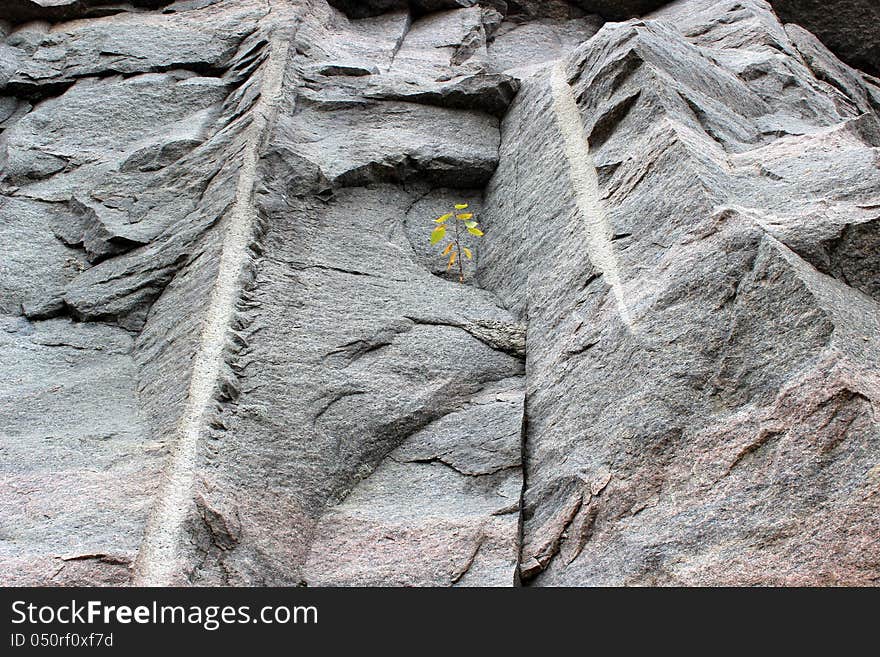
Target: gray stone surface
x=465 y=469
x=362 y=387
x=491 y=94
x=40 y=273
x=386 y=142
x=78 y=466
x=354 y=377
x=851 y=28
x=700 y=377
x=18 y=11
x=518 y=47
x=231 y=356
x=51 y=58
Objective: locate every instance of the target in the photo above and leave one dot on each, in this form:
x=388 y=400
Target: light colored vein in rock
x=585 y=184
x=162 y=558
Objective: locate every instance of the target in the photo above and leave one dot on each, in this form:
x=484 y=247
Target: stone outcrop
x=695 y=357
x=851 y=28
x=230 y=355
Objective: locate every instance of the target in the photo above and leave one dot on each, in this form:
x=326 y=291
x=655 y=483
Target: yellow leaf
x=461 y=206
x=440 y=220
x=475 y=231
x=465 y=216
x=448 y=248
x=468 y=253
x=451 y=260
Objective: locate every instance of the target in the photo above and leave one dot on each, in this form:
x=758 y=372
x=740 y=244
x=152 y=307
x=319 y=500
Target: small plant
x=454 y=250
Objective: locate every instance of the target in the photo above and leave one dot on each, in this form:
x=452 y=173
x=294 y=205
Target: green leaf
x=468 y=253
x=438 y=234
x=467 y=215
x=475 y=231
x=461 y=206
x=471 y=224
x=442 y=219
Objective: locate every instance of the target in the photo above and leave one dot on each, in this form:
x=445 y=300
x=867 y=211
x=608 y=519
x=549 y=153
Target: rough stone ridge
x=701 y=380
x=849 y=27
x=231 y=357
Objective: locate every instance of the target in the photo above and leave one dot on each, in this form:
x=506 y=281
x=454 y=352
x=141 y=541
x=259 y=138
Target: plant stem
x=458 y=251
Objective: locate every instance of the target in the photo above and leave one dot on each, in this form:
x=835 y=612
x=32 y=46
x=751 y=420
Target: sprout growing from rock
x=453 y=250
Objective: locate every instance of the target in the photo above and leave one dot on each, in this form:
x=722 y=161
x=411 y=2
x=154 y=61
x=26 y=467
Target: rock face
x=851 y=28
x=230 y=355
x=62 y=10
x=695 y=359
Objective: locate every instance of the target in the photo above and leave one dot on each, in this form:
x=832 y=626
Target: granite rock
x=851 y=28
x=701 y=377
x=230 y=355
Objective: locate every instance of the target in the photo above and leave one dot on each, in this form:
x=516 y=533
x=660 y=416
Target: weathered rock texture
x=231 y=357
x=696 y=357
x=849 y=27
